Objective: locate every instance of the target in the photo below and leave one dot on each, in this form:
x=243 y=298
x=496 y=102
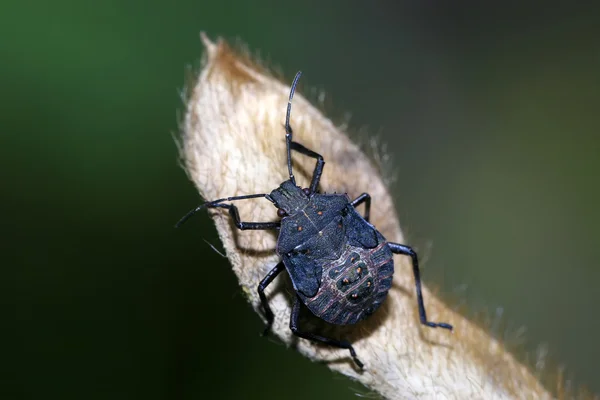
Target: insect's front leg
x=232 y=211
x=263 y=299
x=235 y=215
x=314 y=183
x=407 y=251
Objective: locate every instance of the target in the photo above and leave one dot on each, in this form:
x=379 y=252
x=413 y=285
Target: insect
x=341 y=267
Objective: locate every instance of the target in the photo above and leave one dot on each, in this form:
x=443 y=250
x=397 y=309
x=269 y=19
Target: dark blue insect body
x=341 y=267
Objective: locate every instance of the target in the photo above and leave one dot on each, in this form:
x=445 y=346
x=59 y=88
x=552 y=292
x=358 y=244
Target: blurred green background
x=490 y=115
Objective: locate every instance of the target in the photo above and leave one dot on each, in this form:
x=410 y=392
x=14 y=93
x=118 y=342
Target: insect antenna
x=213 y=203
x=288 y=128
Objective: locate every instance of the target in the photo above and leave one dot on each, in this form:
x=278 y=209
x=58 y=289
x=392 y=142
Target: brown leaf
x=234 y=144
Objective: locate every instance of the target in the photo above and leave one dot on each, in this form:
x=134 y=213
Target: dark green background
x=491 y=116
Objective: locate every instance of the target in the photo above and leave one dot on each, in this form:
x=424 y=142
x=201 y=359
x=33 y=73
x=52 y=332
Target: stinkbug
x=341 y=267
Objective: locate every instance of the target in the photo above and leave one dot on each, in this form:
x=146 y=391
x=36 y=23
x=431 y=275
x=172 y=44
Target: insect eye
x=306 y=191
x=281 y=212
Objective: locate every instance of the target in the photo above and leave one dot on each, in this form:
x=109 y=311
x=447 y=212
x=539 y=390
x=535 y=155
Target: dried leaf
x=234 y=144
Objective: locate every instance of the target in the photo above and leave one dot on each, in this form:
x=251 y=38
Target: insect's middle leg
x=363 y=198
x=316 y=338
x=318 y=167
x=263 y=299
x=235 y=215
x=407 y=251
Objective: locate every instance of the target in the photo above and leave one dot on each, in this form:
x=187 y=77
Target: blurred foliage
x=490 y=116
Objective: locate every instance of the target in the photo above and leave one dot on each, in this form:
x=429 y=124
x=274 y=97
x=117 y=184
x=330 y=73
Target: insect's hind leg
x=316 y=338
x=406 y=250
x=263 y=299
x=363 y=198
x=318 y=167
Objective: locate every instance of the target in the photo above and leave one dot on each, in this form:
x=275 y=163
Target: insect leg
x=316 y=338
x=318 y=167
x=363 y=198
x=405 y=250
x=233 y=211
x=263 y=299
x=218 y=203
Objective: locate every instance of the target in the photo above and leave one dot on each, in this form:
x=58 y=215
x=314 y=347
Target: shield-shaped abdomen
x=354 y=285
